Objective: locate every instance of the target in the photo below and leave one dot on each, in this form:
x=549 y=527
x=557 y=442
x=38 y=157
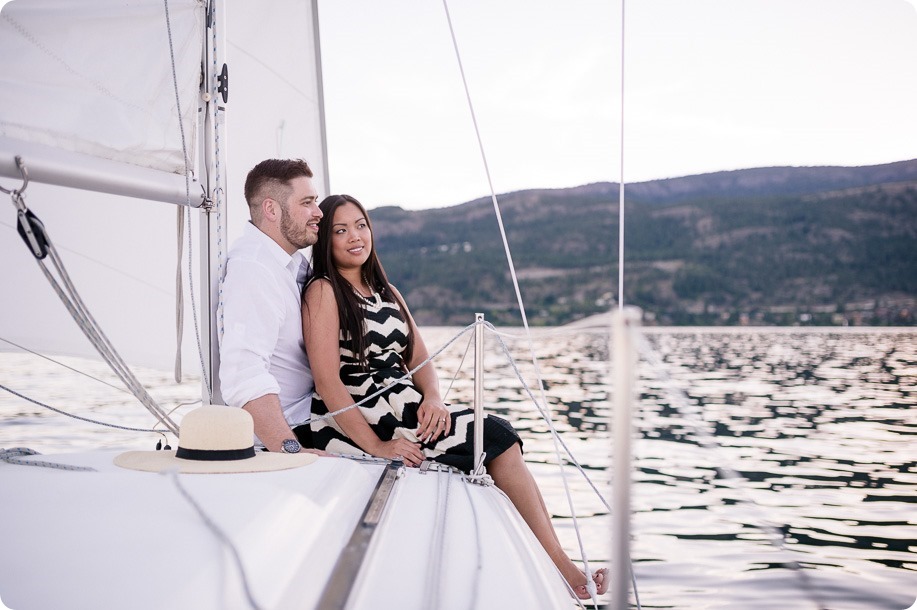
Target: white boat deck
x=119 y=538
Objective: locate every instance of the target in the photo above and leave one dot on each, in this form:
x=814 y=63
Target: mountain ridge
x=780 y=245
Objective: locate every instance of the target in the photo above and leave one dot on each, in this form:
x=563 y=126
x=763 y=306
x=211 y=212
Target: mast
x=213 y=225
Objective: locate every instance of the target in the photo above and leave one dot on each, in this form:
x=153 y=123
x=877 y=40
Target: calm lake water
x=819 y=423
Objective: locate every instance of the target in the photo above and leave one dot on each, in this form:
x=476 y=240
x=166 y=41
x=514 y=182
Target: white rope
x=12 y=456
x=187 y=214
x=515 y=280
x=74 y=304
x=404 y=379
x=220 y=535
x=437 y=547
x=179 y=294
x=479 y=560
x=79 y=417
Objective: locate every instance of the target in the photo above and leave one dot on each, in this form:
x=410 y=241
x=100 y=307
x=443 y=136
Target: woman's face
x=351 y=238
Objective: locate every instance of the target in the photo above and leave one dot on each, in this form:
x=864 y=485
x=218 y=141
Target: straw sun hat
x=214 y=439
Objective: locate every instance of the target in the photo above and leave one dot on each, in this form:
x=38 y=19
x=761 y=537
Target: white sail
x=121 y=251
x=87 y=86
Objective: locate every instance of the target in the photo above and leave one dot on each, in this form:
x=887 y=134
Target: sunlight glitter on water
x=820 y=423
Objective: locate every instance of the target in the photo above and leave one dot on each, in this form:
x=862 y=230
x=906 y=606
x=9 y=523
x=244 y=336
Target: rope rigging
x=40 y=244
x=509 y=258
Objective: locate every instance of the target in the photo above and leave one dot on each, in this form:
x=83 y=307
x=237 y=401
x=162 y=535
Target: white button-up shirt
x=261 y=346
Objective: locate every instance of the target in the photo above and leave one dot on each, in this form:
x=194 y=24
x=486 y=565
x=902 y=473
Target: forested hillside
x=822 y=245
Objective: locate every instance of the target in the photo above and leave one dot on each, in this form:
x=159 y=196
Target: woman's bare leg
x=512 y=476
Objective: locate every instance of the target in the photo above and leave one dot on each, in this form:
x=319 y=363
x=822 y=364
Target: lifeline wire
x=102 y=381
x=34 y=353
x=509 y=257
x=558 y=439
x=85 y=419
x=406 y=378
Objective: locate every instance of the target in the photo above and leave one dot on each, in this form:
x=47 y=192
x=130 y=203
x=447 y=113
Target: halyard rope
x=179 y=294
x=74 y=304
x=187 y=214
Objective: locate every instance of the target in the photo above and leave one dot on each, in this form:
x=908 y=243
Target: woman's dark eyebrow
x=334 y=224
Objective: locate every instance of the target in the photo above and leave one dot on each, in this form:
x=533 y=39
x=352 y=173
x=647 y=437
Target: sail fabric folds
x=121 y=252
x=95 y=77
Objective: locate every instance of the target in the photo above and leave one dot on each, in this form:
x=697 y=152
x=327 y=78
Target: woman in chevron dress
x=361 y=339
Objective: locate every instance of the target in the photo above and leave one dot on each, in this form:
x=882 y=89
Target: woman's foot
x=601 y=584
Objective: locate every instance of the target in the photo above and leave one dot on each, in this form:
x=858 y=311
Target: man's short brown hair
x=271 y=179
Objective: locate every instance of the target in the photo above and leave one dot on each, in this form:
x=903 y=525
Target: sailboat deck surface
x=117 y=538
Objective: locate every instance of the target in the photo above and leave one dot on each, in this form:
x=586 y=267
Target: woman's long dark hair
x=350 y=311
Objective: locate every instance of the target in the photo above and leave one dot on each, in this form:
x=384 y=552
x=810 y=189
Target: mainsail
x=86 y=87
x=107 y=104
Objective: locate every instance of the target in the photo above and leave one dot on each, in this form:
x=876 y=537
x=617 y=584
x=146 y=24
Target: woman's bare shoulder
x=319 y=289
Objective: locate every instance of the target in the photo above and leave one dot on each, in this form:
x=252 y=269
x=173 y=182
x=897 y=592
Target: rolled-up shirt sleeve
x=252 y=320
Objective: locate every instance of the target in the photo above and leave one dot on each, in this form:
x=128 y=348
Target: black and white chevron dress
x=393 y=414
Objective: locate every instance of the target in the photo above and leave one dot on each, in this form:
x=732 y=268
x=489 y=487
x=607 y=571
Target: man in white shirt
x=264 y=368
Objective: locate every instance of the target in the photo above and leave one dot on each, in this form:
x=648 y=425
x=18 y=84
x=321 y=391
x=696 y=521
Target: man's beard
x=301 y=237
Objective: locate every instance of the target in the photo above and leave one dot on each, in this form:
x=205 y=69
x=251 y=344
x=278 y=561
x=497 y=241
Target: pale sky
x=709 y=85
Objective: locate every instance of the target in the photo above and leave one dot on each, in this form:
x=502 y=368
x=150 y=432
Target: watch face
x=291 y=446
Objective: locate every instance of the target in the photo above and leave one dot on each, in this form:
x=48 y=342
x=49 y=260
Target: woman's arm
x=321 y=330
x=433 y=417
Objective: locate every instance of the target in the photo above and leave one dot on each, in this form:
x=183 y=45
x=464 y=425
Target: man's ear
x=270 y=209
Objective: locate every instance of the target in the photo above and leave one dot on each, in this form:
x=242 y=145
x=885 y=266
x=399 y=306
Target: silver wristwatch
x=290 y=445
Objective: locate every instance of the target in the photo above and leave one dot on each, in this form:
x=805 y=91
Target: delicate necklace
x=364 y=285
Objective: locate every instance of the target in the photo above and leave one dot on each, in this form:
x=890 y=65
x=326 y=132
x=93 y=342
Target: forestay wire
x=590 y=584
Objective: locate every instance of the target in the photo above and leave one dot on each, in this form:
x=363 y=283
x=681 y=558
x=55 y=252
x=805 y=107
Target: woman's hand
x=400 y=449
x=433 y=420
